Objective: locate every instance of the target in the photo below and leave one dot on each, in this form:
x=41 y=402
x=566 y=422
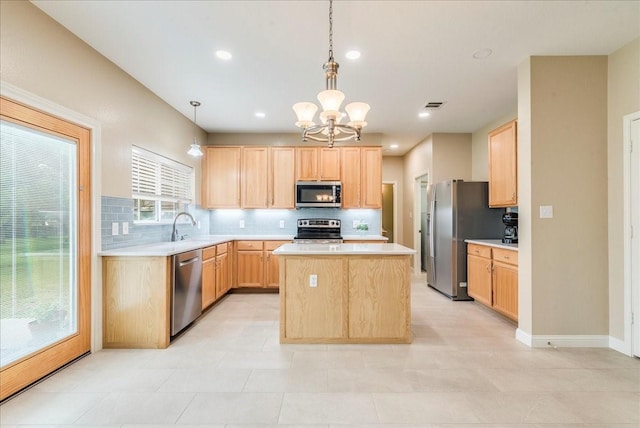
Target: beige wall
x=623 y=99
x=288 y=139
x=52 y=63
x=480 y=147
x=567 y=156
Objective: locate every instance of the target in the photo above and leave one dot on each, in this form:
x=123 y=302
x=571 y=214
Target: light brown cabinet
x=216 y=278
x=254 y=184
x=317 y=164
x=479 y=273
x=492 y=278
x=256 y=264
x=282 y=177
x=361 y=177
x=221 y=177
x=503 y=168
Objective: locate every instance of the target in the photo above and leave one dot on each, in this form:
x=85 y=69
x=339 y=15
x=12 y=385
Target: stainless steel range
x=318 y=231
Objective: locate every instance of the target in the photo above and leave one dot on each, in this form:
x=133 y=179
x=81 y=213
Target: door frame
x=417 y=271
x=34 y=101
x=631 y=284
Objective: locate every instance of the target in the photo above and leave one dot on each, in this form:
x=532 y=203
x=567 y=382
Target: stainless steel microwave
x=318 y=194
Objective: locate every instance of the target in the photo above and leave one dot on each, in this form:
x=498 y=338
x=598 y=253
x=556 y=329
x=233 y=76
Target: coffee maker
x=510 y=221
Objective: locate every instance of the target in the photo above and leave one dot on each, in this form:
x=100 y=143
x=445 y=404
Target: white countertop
x=364 y=238
x=496 y=243
x=171 y=248
x=342 y=249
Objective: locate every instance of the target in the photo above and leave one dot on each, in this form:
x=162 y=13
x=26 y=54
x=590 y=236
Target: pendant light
x=195 y=149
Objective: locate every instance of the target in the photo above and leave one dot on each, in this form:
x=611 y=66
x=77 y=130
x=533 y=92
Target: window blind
x=159 y=178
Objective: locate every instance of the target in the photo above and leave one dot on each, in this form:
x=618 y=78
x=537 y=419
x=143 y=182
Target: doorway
x=420 y=223
x=632 y=223
x=45 y=244
x=389 y=210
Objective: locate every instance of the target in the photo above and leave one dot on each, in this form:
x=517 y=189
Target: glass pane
x=144 y=210
x=38 y=242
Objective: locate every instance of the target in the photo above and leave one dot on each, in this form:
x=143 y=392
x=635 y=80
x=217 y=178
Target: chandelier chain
x=330 y=30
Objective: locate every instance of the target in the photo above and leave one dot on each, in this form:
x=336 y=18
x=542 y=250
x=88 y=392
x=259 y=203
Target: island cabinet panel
x=379 y=300
x=136 y=299
x=314 y=313
x=221 y=177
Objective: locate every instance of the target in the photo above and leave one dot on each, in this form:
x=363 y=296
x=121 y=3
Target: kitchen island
x=345 y=293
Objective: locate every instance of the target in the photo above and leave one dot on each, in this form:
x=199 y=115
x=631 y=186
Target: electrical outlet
x=125 y=227
x=356 y=223
x=198 y=224
x=313 y=280
x=114 y=228
x=241 y=224
x=281 y=224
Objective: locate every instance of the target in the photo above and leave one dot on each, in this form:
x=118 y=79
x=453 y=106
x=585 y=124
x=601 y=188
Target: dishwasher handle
x=190 y=261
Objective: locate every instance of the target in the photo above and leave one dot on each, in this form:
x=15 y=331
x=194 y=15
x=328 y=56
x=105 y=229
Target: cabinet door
x=351 y=177
x=503 y=173
x=254 y=183
x=479 y=279
x=222 y=274
x=282 y=177
x=329 y=164
x=208 y=282
x=306 y=163
x=250 y=268
x=221 y=177
x=505 y=289
x=272 y=267
x=371 y=177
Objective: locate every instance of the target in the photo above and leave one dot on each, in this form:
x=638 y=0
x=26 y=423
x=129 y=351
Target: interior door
x=45 y=244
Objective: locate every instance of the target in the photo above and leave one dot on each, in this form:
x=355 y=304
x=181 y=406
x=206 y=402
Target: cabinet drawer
x=479 y=250
x=249 y=245
x=505 y=256
x=209 y=252
x=222 y=248
x=272 y=245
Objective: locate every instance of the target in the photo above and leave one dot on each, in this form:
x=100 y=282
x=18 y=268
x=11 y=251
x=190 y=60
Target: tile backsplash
x=222 y=222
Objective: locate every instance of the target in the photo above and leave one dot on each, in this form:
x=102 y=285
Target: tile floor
x=463 y=368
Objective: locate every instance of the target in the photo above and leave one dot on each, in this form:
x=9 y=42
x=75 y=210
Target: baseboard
x=564 y=341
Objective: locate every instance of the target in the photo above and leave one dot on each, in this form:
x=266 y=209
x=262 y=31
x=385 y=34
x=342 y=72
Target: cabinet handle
x=488 y=268
x=506 y=257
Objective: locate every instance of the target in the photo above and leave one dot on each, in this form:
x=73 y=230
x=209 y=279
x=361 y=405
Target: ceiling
x=413 y=52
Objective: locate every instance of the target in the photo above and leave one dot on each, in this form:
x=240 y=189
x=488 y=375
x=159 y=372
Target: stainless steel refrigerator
x=457 y=210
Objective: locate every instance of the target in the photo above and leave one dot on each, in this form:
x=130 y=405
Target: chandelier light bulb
x=357 y=113
x=331 y=99
x=305 y=112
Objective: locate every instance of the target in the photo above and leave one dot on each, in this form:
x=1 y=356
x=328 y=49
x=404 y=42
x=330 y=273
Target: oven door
x=318 y=194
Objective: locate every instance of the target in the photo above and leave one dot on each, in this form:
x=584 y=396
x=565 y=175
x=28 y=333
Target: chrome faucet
x=174 y=232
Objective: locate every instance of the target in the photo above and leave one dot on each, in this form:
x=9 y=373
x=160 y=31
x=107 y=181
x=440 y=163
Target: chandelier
x=330 y=129
x=195 y=149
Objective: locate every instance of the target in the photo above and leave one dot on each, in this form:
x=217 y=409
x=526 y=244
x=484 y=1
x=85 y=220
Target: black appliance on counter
x=318 y=231
x=510 y=221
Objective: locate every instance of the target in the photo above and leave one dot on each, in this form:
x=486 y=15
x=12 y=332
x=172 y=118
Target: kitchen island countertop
x=343 y=249
x=496 y=243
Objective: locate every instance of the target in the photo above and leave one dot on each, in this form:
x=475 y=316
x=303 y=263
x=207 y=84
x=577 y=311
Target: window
x=161 y=187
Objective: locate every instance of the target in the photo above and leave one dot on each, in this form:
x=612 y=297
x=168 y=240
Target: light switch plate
x=125 y=227
x=114 y=228
x=241 y=224
x=281 y=224
x=546 y=211
x=356 y=223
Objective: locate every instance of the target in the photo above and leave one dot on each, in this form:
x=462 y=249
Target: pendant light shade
x=194 y=149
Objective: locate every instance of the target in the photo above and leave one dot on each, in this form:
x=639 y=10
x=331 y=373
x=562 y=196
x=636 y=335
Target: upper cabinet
x=361 y=177
x=282 y=177
x=221 y=177
x=317 y=164
x=254 y=186
x=503 y=172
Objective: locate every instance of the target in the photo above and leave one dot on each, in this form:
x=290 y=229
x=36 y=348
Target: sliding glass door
x=45 y=244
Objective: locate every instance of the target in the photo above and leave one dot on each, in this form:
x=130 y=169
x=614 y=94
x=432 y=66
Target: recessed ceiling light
x=224 y=55
x=393 y=146
x=482 y=53
x=424 y=114
x=353 y=54
x=260 y=114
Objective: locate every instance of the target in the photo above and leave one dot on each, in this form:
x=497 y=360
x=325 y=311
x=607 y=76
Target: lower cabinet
x=256 y=264
x=216 y=278
x=492 y=278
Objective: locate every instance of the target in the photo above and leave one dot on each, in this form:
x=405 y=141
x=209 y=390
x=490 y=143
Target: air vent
x=433 y=105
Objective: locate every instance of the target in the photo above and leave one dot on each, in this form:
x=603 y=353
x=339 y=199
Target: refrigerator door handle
x=432 y=247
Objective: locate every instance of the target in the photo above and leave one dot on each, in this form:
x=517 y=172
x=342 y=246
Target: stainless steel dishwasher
x=186 y=293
